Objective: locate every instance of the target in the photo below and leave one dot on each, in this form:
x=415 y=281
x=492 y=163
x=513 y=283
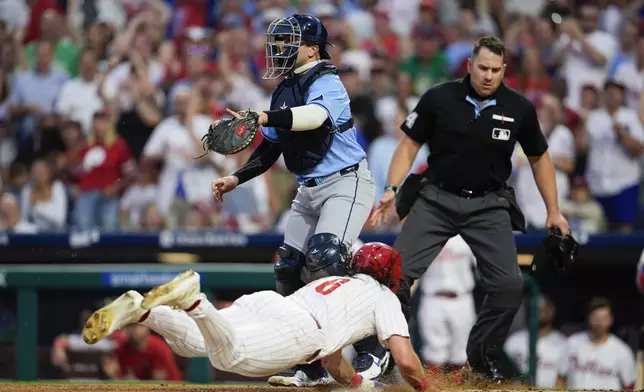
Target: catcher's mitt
x=557 y=254
x=230 y=136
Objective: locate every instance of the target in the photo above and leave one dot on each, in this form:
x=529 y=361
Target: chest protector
x=304 y=150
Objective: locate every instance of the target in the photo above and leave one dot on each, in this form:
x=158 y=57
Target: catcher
x=305 y=325
x=310 y=124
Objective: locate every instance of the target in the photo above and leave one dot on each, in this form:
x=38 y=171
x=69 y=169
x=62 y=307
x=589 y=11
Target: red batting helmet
x=381 y=262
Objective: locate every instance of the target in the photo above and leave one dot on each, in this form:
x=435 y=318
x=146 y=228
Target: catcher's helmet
x=284 y=38
x=381 y=262
x=326 y=255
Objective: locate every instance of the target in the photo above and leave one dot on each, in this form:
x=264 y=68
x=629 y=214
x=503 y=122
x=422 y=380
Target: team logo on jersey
x=283 y=106
x=500 y=134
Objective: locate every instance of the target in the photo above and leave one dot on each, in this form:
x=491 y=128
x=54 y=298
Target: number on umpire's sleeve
x=411 y=119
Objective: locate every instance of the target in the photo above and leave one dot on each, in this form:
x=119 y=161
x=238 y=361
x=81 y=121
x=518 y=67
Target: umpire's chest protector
x=302 y=150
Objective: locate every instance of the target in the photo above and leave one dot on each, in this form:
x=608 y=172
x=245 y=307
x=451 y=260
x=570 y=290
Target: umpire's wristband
x=392 y=187
x=282 y=118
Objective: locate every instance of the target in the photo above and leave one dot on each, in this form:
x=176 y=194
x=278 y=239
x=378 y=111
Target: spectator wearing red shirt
x=142 y=356
x=532 y=81
x=106 y=168
x=38 y=8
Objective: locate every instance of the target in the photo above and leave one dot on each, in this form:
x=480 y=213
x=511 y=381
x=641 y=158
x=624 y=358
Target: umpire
x=471 y=126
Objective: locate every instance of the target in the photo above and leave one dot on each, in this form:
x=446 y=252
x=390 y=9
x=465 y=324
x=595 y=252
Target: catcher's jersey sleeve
x=329 y=92
x=390 y=319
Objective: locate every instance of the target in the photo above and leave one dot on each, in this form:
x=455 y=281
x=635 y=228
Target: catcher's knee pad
x=287 y=269
x=326 y=255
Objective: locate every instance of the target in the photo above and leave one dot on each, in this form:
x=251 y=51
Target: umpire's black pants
x=484 y=223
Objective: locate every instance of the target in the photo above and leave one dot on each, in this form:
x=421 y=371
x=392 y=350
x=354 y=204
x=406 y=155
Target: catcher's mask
x=381 y=262
x=284 y=38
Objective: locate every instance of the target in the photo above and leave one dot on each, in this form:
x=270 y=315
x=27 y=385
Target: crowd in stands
x=103 y=102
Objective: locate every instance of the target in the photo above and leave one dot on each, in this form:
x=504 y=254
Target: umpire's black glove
x=558 y=253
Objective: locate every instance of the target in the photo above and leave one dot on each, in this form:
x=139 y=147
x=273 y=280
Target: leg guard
x=287 y=270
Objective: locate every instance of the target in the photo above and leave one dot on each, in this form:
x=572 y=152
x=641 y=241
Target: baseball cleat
x=300 y=379
x=181 y=292
x=122 y=311
x=369 y=366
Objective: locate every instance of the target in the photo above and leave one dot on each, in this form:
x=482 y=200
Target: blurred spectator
x=143 y=192
x=8 y=152
x=630 y=73
x=196 y=66
x=428 y=66
x=4 y=96
x=18 y=178
x=10 y=217
x=46 y=140
x=38 y=10
x=615 y=140
x=587 y=51
x=176 y=142
x=550 y=347
x=561 y=146
x=590 y=100
x=248 y=209
x=459 y=41
x=196 y=220
x=132 y=87
x=597 y=359
x=105 y=172
x=384 y=37
x=382 y=149
x=585 y=215
x=78 y=99
x=35 y=91
x=14 y=15
x=628 y=40
x=546 y=40
x=99 y=40
x=142 y=356
x=44 y=200
x=65 y=52
x=70 y=160
x=151 y=219
x=362 y=106
x=532 y=80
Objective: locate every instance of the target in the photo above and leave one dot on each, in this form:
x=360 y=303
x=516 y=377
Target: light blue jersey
x=329 y=92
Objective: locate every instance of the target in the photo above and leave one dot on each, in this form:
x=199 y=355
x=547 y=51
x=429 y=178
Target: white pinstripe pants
x=259 y=335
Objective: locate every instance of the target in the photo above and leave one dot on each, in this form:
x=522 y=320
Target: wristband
x=282 y=118
x=356 y=380
x=392 y=187
x=423 y=385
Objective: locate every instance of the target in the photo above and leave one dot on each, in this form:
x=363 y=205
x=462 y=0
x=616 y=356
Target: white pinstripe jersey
x=349 y=309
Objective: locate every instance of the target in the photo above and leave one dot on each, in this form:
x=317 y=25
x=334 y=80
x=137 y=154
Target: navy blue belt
x=320 y=180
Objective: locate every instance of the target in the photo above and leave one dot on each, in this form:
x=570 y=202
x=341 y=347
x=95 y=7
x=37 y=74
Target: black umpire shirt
x=471 y=141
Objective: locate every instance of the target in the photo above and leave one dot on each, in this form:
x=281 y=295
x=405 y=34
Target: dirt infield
x=37 y=387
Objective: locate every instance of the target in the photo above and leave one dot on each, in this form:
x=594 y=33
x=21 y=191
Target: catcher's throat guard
x=230 y=136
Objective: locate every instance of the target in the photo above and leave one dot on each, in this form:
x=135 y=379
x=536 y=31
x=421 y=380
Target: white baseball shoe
x=370 y=367
x=122 y=311
x=300 y=379
x=181 y=292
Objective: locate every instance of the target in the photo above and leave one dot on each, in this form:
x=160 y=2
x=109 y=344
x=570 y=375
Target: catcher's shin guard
x=287 y=269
